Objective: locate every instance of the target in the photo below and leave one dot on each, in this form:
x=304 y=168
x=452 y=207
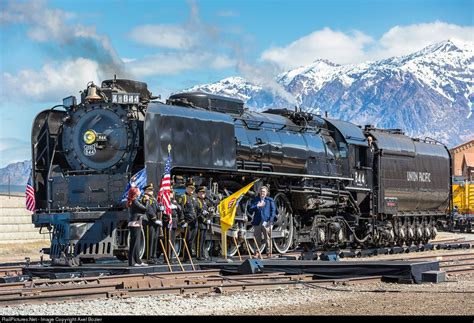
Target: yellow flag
x=228 y=207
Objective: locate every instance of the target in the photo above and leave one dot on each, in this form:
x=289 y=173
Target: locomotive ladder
x=470 y=197
x=43 y=160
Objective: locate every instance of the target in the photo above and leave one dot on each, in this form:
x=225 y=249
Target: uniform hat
x=190 y=183
x=202 y=189
x=149 y=187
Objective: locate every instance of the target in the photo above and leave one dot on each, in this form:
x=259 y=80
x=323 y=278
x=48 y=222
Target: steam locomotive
x=335 y=184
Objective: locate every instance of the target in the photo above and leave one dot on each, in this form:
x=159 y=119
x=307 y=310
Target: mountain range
x=426 y=94
x=15 y=173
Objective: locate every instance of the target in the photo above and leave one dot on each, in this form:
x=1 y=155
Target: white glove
x=162 y=208
x=204 y=212
x=265 y=223
x=158 y=222
x=173 y=207
x=208 y=221
x=184 y=225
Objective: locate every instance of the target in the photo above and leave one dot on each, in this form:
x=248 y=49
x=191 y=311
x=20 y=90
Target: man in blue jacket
x=264 y=211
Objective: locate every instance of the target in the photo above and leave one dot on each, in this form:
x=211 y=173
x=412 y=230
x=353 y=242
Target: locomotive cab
x=356 y=158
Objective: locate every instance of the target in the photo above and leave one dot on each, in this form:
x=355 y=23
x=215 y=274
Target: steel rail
x=156 y=285
x=8 y=271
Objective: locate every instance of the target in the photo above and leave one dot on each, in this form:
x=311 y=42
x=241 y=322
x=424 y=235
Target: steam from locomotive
x=335 y=184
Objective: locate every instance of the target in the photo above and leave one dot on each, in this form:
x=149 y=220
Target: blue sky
x=51 y=49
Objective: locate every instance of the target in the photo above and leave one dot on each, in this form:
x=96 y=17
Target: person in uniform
x=204 y=221
x=188 y=203
x=264 y=211
x=136 y=212
x=170 y=223
x=154 y=224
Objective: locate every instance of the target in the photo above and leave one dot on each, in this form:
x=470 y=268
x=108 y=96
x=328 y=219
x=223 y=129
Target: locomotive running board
x=259 y=172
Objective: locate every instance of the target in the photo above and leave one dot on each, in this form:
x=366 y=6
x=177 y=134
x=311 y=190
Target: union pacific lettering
x=419 y=177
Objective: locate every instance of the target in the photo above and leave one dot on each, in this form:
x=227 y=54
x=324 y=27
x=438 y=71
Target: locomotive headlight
x=90 y=137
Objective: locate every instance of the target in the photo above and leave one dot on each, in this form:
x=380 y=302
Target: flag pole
x=257 y=248
x=189 y=254
x=248 y=247
x=271 y=240
x=176 y=255
x=237 y=246
x=224 y=243
x=166 y=257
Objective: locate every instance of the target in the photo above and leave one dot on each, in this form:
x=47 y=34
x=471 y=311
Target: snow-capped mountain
x=427 y=94
x=15 y=173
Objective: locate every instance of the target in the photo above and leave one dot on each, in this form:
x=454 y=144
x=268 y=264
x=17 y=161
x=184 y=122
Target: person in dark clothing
x=188 y=203
x=170 y=223
x=154 y=224
x=136 y=212
x=204 y=220
x=264 y=211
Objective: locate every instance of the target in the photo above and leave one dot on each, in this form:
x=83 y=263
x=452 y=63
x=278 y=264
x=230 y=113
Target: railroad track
x=450 y=263
x=9 y=271
x=201 y=282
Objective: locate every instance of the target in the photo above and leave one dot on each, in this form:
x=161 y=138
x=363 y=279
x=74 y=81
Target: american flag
x=30 y=195
x=165 y=186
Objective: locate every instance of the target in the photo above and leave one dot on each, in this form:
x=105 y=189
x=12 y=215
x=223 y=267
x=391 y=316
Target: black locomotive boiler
x=334 y=183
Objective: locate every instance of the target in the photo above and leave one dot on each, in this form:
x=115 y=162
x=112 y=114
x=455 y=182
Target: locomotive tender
x=334 y=183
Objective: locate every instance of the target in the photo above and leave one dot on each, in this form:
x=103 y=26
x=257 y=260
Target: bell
x=92 y=93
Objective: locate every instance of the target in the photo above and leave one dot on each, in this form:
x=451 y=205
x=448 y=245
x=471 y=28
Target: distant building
x=467 y=166
x=463 y=159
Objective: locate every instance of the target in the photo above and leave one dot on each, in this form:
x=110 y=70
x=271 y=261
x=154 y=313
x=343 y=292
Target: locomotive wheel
x=283 y=224
x=122 y=255
x=307 y=246
x=142 y=247
x=178 y=243
x=253 y=248
x=231 y=248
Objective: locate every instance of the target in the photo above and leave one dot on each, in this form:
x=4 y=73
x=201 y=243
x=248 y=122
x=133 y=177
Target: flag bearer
x=189 y=204
x=170 y=223
x=204 y=220
x=154 y=223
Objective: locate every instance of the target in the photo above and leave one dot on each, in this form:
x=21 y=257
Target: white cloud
x=357 y=47
x=404 y=40
x=191 y=45
x=54 y=81
x=175 y=63
x=14 y=150
x=166 y=36
x=46 y=25
x=335 y=46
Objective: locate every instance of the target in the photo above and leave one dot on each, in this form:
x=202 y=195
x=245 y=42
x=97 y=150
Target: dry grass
x=21 y=249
